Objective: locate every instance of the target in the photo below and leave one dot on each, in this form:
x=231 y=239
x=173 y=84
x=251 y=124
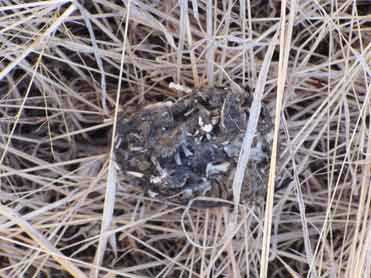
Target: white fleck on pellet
x=216 y=168
x=207 y=128
x=152 y=194
x=135 y=174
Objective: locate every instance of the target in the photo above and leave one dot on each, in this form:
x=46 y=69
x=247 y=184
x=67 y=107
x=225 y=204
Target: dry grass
x=68 y=68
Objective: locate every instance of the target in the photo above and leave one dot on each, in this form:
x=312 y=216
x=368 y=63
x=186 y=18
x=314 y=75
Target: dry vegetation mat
x=197 y=138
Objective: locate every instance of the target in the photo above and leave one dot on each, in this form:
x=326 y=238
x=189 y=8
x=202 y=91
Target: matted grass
x=67 y=69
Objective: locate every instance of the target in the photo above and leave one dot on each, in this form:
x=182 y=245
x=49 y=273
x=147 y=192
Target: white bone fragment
x=216 y=168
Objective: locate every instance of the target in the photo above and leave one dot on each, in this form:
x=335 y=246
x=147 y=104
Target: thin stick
x=285 y=41
x=110 y=194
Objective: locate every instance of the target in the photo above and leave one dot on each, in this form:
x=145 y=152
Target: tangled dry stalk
x=68 y=68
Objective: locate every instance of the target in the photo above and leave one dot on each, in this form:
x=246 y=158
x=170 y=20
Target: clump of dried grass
x=67 y=69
